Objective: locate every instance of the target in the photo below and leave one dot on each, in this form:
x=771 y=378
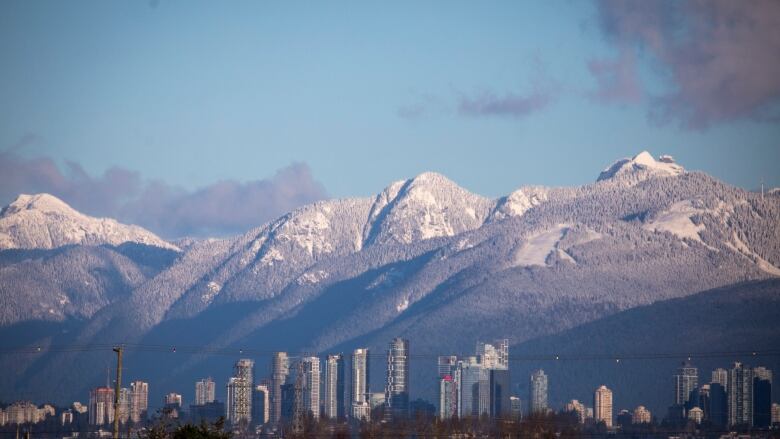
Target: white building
x=602 y=405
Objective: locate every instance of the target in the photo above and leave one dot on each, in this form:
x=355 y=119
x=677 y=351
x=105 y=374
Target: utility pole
x=117 y=387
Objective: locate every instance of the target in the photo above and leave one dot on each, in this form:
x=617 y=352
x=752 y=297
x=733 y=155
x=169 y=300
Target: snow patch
x=401 y=307
x=311 y=278
x=762 y=263
x=677 y=221
x=537 y=247
x=212 y=289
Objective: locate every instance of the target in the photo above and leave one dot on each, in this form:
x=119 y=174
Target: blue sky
x=363 y=93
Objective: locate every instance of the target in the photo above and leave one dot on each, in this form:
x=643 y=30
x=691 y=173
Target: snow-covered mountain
x=43 y=221
x=424 y=259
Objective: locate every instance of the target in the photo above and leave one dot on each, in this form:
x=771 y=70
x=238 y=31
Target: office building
x=239 y=393
x=762 y=397
x=139 y=400
x=696 y=415
x=447 y=365
x=602 y=405
x=494 y=357
x=717 y=410
x=448 y=397
x=775 y=413
x=538 y=393
x=205 y=390
x=101 y=406
x=500 y=392
x=360 y=393
x=721 y=376
x=397 y=383
x=280 y=369
x=474 y=380
x=740 y=395
x=261 y=401
x=334 y=403
x=311 y=386
x=685 y=381
x=517 y=407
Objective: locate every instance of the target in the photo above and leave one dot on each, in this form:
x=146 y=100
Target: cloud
x=722 y=57
x=220 y=209
x=510 y=104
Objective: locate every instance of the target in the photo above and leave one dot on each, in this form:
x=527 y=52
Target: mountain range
x=424 y=259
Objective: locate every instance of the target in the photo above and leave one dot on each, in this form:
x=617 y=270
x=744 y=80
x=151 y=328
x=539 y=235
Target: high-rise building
x=494 y=357
x=173 y=399
x=239 y=393
x=686 y=379
x=280 y=369
x=139 y=400
x=101 y=406
x=641 y=415
x=740 y=394
x=718 y=412
x=334 y=387
x=517 y=407
x=602 y=405
x=261 y=400
x=721 y=376
x=538 y=392
x=397 y=383
x=204 y=391
x=474 y=383
x=578 y=408
x=360 y=392
x=447 y=365
x=775 y=413
x=173 y=405
x=448 y=397
x=762 y=397
x=500 y=389
x=311 y=386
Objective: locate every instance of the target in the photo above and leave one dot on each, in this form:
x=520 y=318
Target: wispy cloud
x=220 y=209
x=509 y=104
x=721 y=57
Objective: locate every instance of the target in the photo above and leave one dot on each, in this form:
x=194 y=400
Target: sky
x=207 y=118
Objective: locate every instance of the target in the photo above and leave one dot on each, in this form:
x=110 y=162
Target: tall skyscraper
x=261 y=401
x=538 y=392
x=139 y=400
x=397 y=388
x=204 y=391
x=334 y=387
x=578 y=408
x=740 y=394
x=762 y=397
x=602 y=405
x=448 y=397
x=101 y=406
x=500 y=391
x=474 y=383
x=280 y=369
x=721 y=376
x=447 y=365
x=360 y=393
x=718 y=412
x=311 y=386
x=239 y=390
x=686 y=379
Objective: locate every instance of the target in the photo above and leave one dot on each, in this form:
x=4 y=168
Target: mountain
x=43 y=221
x=737 y=318
x=424 y=259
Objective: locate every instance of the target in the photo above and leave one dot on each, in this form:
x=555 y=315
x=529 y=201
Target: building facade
x=538 y=393
x=397 y=383
x=334 y=404
x=139 y=400
x=685 y=381
x=239 y=393
x=101 y=406
x=740 y=394
x=205 y=391
x=602 y=405
x=280 y=370
x=360 y=391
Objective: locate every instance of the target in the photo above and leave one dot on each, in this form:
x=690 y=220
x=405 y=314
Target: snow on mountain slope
x=427 y=206
x=43 y=221
x=640 y=167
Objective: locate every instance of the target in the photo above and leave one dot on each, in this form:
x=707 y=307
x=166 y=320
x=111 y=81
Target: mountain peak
x=44 y=221
x=641 y=167
x=41 y=202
